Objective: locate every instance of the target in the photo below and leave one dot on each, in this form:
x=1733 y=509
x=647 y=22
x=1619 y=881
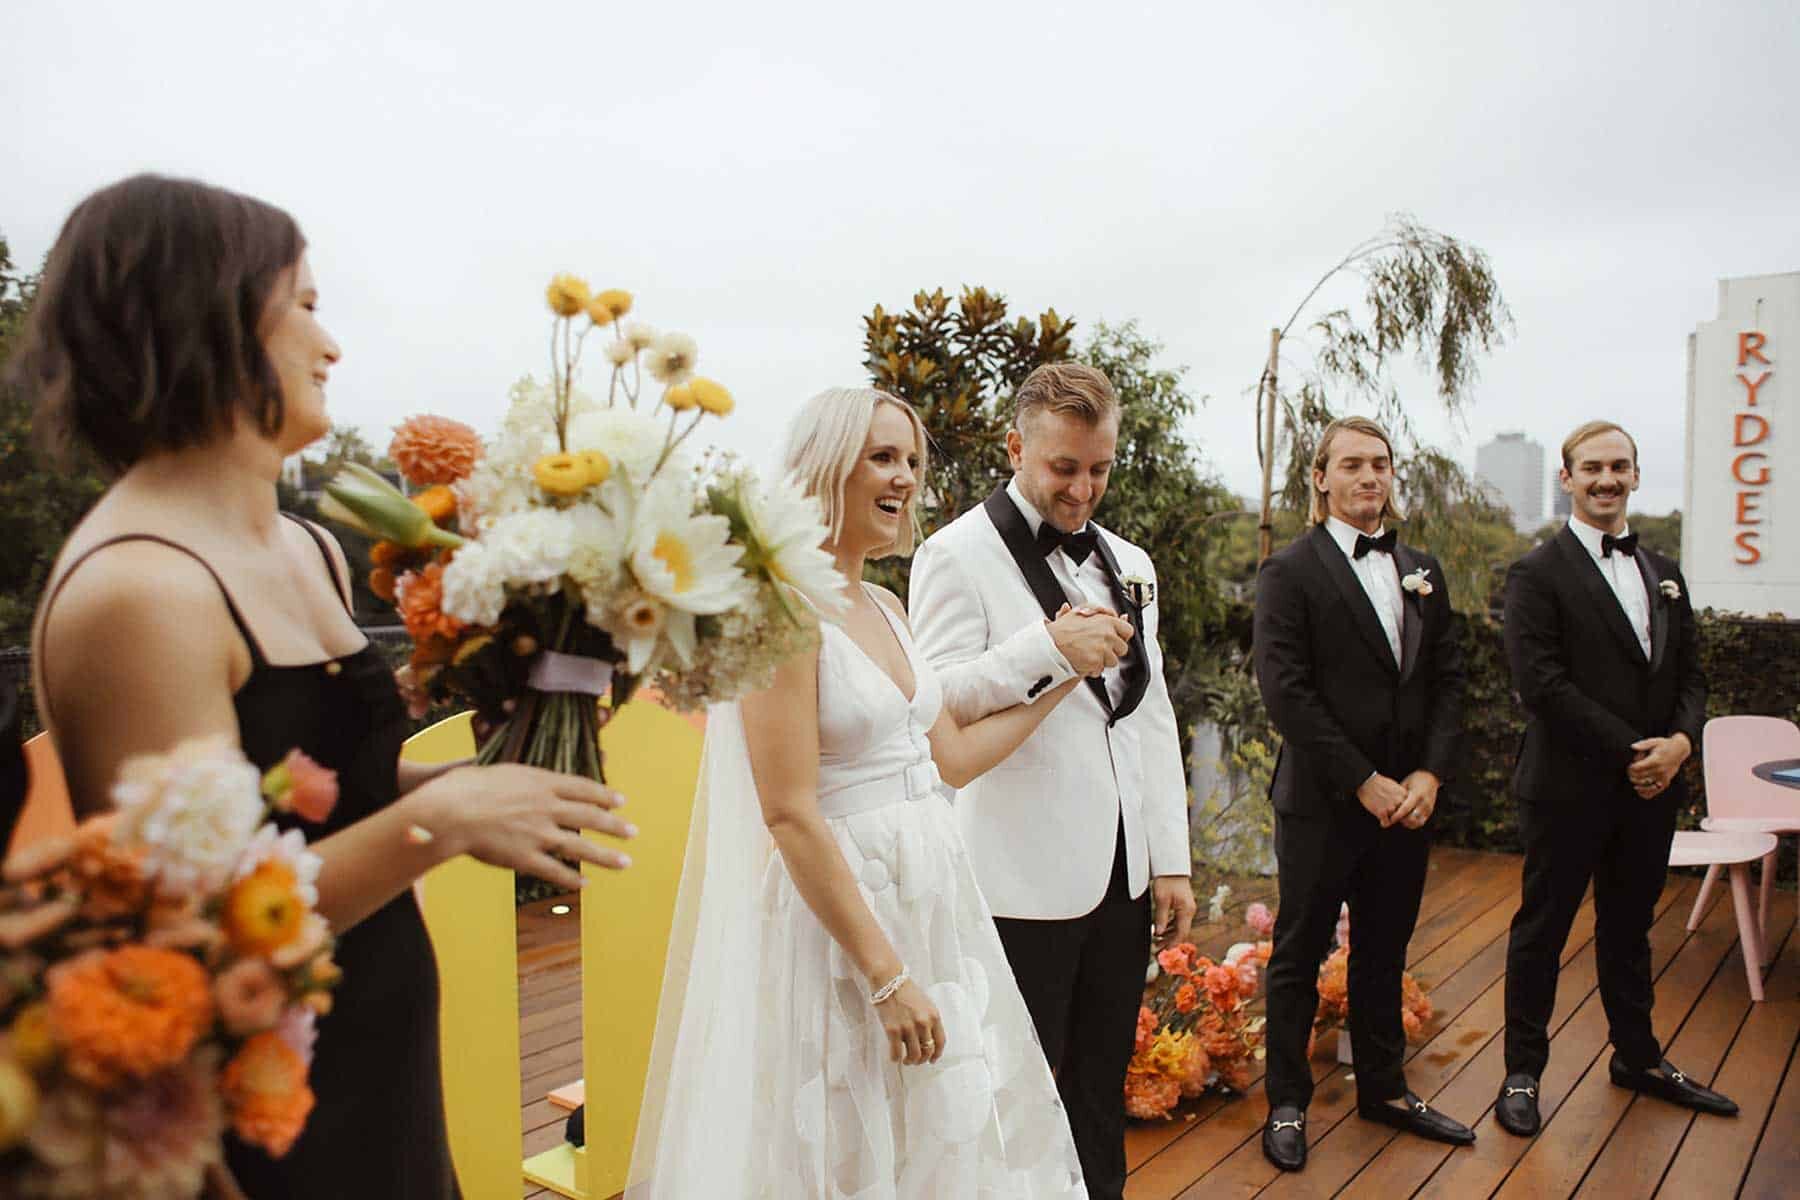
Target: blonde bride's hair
x=824 y=442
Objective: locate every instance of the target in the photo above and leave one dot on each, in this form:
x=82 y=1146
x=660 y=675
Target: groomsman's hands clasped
x=1656 y=763
x=1409 y=802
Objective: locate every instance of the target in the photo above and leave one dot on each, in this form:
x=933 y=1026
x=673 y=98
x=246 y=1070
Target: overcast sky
x=761 y=175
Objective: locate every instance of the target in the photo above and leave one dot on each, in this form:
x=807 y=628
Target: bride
x=838 y=1019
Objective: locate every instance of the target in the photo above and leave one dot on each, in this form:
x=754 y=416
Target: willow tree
x=1427 y=298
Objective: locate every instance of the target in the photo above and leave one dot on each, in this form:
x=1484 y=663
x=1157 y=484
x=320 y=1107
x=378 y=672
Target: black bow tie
x=1626 y=545
x=1077 y=545
x=1384 y=543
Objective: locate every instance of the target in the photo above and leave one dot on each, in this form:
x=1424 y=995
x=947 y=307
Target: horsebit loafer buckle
x=1524 y=1091
x=1420 y=1107
x=1278 y=1126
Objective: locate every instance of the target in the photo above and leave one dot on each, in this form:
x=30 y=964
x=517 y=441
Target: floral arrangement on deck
x=1334 y=989
x=161 y=970
x=1194 y=1027
x=581 y=553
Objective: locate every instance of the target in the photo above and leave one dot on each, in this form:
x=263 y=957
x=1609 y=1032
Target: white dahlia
x=474 y=586
x=530 y=547
x=191 y=811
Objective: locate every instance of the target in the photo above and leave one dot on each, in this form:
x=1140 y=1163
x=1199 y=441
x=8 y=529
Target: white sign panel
x=1740 y=529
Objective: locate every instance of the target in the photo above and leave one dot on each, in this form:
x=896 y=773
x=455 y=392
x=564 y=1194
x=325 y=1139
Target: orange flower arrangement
x=128 y=1013
x=110 y=878
x=266 y=1094
x=1187 y=998
x=1149 y=1095
x=263 y=911
x=431 y=450
x=1334 y=991
x=421 y=596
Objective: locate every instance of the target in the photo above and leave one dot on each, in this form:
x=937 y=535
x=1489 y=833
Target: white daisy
x=670 y=360
x=620 y=352
x=787 y=532
x=684 y=559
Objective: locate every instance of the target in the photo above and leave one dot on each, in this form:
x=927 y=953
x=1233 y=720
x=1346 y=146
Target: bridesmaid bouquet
x=161 y=970
x=582 y=554
x=1194 y=1028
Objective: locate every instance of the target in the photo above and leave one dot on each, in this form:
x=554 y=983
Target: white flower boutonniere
x=1670 y=589
x=1140 y=590
x=1416 y=582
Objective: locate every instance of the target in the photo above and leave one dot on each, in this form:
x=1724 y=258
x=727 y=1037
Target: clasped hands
x=1093 y=639
x=1408 y=802
x=1657 y=760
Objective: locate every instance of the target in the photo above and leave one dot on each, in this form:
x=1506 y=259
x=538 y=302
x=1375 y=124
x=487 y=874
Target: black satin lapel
x=1136 y=663
x=1361 y=610
x=1600 y=593
x=1412 y=613
x=1016 y=534
x=1659 y=610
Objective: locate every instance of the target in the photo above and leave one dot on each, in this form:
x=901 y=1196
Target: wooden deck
x=1597 y=1140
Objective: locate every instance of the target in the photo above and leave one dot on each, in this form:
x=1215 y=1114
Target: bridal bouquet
x=161 y=971
x=581 y=553
x=1194 y=1028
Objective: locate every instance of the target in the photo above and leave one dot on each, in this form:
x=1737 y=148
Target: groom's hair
x=1065 y=387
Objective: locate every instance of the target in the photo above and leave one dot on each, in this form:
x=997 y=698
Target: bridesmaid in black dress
x=174 y=339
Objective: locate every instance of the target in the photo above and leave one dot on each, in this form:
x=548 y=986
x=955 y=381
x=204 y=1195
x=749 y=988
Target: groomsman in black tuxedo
x=1364 y=682
x=1601 y=639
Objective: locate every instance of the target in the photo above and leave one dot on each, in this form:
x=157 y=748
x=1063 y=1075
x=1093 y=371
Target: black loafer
x=1516 y=1108
x=1284 y=1137
x=1667 y=1083
x=1420 y=1118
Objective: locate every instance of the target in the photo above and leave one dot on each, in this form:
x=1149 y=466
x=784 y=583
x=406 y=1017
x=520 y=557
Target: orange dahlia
x=432 y=450
x=263 y=910
x=128 y=1013
x=265 y=1092
x=421 y=598
x=1186 y=998
x=1149 y=1096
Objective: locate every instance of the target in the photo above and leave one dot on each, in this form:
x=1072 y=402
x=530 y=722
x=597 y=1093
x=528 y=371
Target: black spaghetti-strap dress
x=377 y=1129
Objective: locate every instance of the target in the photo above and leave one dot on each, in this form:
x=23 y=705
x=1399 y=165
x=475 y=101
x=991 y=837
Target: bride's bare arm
x=781 y=728
x=966 y=752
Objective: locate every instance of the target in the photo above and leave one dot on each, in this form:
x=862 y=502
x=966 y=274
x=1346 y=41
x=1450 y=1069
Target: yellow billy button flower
x=599 y=467
x=567 y=294
x=712 y=397
x=362 y=500
x=681 y=397
x=608 y=306
x=561 y=474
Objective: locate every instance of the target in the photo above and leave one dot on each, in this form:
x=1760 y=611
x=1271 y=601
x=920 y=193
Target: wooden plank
x=1482 y=1169
x=1647 y=1138
x=1767 y=1094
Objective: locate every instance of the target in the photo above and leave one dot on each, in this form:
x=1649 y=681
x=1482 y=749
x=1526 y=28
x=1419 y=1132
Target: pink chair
x=1735 y=852
x=1739 y=802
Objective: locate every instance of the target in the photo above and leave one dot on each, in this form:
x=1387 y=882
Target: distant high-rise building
x=1561 y=505
x=1511 y=467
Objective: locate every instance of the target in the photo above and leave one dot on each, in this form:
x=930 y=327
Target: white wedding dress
x=812 y=1108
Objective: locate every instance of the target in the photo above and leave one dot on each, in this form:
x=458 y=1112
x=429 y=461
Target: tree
x=1424 y=294
x=40 y=500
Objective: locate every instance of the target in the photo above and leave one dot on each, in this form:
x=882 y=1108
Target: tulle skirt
x=835 y=1118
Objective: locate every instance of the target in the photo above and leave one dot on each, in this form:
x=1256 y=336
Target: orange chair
x=47 y=811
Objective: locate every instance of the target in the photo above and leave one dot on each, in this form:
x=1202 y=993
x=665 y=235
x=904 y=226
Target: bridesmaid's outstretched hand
x=523 y=818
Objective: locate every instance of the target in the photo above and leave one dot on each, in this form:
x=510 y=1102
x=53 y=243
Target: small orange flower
x=381 y=582
x=110 y=878
x=439 y=503
x=1150 y=1096
x=421 y=597
x=1175 y=961
x=1186 y=998
x=432 y=450
x=128 y=1013
x=388 y=554
x=263 y=910
x=265 y=1091
x=251 y=997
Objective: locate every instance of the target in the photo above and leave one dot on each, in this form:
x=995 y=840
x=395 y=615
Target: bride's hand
x=914 y=1029
x=523 y=818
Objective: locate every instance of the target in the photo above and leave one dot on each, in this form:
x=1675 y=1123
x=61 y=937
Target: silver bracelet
x=886 y=991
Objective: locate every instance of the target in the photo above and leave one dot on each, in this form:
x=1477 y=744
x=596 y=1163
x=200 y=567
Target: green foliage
x=40 y=500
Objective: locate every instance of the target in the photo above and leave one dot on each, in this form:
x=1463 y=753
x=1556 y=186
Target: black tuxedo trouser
x=1083 y=980
x=1324 y=862
x=1621 y=843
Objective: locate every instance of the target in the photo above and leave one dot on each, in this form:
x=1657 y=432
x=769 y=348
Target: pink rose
x=299 y=785
x=1259 y=918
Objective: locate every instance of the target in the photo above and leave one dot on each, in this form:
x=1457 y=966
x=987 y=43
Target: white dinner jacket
x=1042 y=826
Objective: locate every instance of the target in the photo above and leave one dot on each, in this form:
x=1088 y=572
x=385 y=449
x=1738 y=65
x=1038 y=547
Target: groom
x=1066 y=835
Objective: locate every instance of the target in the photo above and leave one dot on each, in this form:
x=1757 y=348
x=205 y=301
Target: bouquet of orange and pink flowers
x=1194 y=1027
x=1334 y=989
x=161 y=970
x=581 y=553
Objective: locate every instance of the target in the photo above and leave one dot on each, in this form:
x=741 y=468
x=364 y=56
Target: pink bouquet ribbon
x=553 y=672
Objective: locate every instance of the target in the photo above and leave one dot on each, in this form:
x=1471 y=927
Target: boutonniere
x=1139 y=590
x=1415 y=581
x=1670 y=589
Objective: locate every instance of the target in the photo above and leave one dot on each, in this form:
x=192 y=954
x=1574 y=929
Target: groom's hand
x=1172 y=907
x=1093 y=642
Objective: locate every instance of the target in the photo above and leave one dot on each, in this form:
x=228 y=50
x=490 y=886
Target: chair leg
x=1706 y=887
x=1749 y=937
x=1765 y=889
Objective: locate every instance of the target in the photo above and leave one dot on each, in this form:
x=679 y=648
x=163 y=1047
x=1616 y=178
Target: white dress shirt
x=1085 y=584
x=1379 y=576
x=1622 y=575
